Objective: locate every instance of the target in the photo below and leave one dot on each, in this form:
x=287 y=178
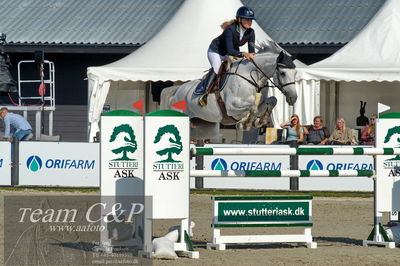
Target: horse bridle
x=281 y=86
x=254 y=83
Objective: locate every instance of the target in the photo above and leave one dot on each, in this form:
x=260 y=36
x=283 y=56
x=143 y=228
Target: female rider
x=237 y=33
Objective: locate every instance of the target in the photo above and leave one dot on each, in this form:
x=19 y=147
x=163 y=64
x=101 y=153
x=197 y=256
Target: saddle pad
x=200 y=89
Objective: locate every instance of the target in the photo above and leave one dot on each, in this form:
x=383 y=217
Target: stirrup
x=203 y=100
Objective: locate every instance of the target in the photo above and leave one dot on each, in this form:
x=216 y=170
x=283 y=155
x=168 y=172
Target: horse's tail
x=166 y=96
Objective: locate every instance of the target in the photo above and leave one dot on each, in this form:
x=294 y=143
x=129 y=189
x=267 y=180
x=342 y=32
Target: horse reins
x=221 y=104
x=254 y=83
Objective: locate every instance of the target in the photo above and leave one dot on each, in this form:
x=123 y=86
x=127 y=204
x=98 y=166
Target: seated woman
x=317 y=133
x=341 y=135
x=368 y=133
x=294 y=131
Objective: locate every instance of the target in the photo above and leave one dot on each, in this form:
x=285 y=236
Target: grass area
x=280 y=192
x=211 y=191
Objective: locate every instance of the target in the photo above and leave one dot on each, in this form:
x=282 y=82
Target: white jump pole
x=295 y=151
x=282 y=173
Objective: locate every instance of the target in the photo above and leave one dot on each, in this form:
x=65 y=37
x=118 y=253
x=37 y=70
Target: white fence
x=282 y=162
x=77 y=164
x=50 y=164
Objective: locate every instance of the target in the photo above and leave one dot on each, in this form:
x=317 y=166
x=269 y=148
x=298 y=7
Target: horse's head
x=282 y=69
x=284 y=77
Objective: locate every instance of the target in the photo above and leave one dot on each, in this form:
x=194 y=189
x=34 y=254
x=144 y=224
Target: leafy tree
x=390 y=133
x=176 y=143
x=130 y=144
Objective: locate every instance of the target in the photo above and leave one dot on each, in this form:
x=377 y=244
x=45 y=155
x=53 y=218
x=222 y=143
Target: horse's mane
x=272 y=47
x=269 y=47
x=264 y=47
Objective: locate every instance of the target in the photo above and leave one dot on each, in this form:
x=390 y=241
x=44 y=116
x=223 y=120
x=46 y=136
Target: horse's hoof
x=248 y=127
x=258 y=123
x=263 y=122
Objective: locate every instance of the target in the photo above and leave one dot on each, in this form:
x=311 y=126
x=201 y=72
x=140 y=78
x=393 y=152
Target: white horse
x=243 y=100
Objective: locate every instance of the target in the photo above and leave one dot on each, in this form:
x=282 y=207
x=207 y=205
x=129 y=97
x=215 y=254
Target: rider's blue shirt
x=229 y=41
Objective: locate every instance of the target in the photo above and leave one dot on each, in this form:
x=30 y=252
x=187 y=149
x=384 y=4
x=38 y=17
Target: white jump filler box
x=167 y=163
x=121 y=176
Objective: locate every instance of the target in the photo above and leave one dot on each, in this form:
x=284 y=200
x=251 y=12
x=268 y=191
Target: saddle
x=217 y=84
x=210 y=82
x=215 y=87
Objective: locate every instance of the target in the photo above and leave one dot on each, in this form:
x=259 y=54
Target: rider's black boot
x=207 y=83
x=209 y=79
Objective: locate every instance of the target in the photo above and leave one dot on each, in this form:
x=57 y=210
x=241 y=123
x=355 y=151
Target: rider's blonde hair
x=227 y=23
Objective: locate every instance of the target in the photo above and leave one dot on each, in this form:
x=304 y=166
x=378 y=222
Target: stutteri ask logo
x=395 y=161
x=391 y=132
x=129 y=144
x=34 y=163
x=169 y=141
x=123 y=143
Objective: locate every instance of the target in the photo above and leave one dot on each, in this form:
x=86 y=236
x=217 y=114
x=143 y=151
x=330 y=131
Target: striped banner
x=295 y=151
x=283 y=173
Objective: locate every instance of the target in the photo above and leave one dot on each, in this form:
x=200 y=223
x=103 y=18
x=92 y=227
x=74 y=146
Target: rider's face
x=246 y=23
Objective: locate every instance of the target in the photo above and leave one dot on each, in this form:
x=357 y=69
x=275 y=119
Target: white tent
x=176 y=53
x=367 y=68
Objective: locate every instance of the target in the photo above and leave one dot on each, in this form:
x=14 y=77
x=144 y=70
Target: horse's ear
x=285 y=60
x=281 y=56
x=279 y=59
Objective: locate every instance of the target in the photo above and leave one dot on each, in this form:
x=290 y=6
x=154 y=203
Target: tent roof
x=134 y=22
x=179 y=50
x=373 y=55
x=314 y=21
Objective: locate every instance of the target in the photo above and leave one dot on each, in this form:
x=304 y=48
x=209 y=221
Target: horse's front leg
x=241 y=123
x=265 y=111
x=247 y=122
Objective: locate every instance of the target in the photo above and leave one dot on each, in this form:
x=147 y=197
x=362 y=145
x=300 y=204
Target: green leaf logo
x=130 y=145
x=392 y=131
x=169 y=139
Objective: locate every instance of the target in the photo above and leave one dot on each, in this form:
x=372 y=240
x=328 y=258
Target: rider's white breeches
x=215 y=60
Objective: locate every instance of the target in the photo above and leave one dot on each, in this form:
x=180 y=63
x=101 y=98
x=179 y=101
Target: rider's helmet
x=245 y=12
